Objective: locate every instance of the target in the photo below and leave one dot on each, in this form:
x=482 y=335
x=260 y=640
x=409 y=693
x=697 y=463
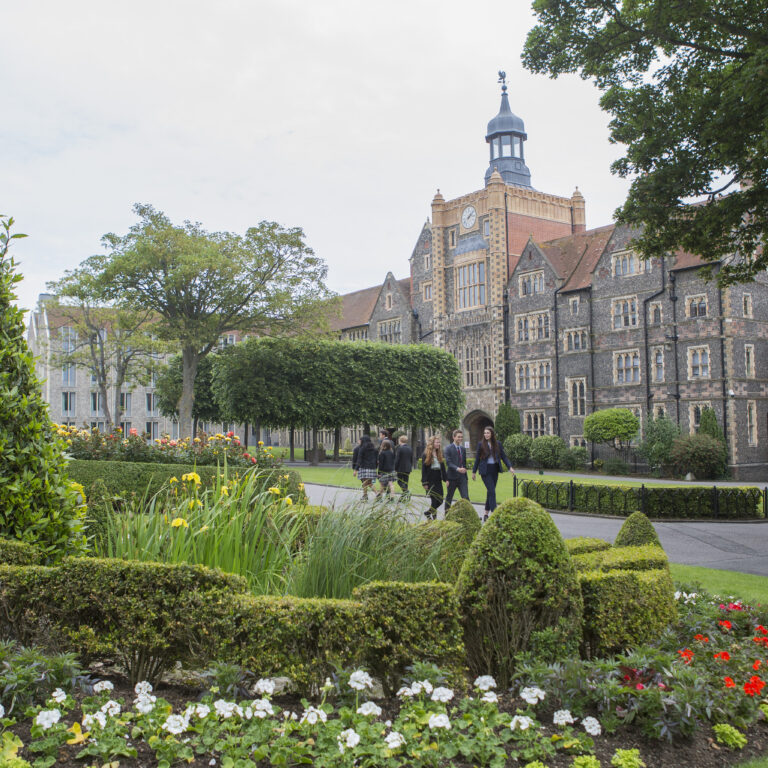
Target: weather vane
x=503 y=80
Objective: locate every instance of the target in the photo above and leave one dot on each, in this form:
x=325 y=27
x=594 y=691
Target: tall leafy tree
x=117 y=344
x=615 y=426
x=202 y=284
x=686 y=86
x=168 y=390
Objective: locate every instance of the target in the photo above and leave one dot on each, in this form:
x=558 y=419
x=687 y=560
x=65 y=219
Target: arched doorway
x=474 y=424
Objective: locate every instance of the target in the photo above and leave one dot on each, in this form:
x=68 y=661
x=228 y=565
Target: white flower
x=359 y=680
x=175 y=724
x=2 y=711
x=227 y=709
x=592 y=726
x=439 y=721
x=424 y=685
x=111 y=708
x=97 y=717
x=144 y=703
x=265 y=687
x=202 y=710
x=368 y=708
x=395 y=740
x=405 y=693
x=521 y=722
x=212 y=761
x=47 y=718
x=489 y=697
x=485 y=683
x=103 y=685
x=143 y=688
x=443 y=695
x=259 y=708
x=312 y=715
x=686 y=597
x=58 y=696
x=349 y=738
x=563 y=717
x=532 y=695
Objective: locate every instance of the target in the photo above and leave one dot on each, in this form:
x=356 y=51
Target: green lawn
x=755 y=762
x=751 y=589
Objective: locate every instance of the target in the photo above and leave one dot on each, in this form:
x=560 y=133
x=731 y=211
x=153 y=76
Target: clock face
x=468 y=217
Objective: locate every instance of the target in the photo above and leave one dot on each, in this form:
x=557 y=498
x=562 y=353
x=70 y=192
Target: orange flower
x=754 y=686
x=725 y=624
x=723 y=656
x=729 y=682
x=756 y=665
x=701 y=638
x=687 y=655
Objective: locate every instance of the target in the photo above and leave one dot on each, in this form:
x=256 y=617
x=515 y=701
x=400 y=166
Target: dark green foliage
x=583 y=544
x=623 y=609
x=683 y=85
x=100 y=506
x=637 y=531
x=660 y=433
x=340 y=383
x=709 y=426
x=169 y=386
x=615 y=466
x=703 y=455
x=548 y=450
x=14 y=552
x=574 y=458
x=629 y=558
x=395 y=616
x=517 y=590
x=518 y=448
x=507 y=422
x=309 y=516
x=464 y=513
x=451 y=537
x=37 y=503
x=681 y=503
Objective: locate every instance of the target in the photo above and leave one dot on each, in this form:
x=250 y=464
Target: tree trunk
x=245 y=436
x=292 y=443
x=190 y=358
x=336 y=441
x=257 y=430
x=315 y=453
x=414 y=434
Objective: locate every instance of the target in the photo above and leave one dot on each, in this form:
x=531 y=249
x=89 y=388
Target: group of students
x=390 y=465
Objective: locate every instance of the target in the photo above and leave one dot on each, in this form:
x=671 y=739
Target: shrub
x=406 y=623
x=610 y=425
x=583 y=544
x=548 y=450
x=507 y=422
x=616 y=466
x=636 y=531
x=14 y=552
x=702 y=455
x=518 y=448
x=643 y=558
x=659 y=436
x=574 y=458
x=517 y=591
x=623 y=609
x=37 y=503
x=708 y=425
x=464 y=513
x=729 y=736
x=448 y=539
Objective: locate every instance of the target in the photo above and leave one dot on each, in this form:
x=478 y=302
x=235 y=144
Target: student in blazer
x=433 y=474
x=488 y=460
x=456 y=461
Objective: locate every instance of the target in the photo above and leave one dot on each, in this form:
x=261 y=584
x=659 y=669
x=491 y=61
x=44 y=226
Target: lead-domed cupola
x=506 y=136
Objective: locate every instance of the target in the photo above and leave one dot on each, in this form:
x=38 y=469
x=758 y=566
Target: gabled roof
x=405 y=287
x=356 y=308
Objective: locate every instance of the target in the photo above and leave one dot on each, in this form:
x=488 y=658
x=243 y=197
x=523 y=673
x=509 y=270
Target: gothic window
x=694 y=415
x=470 y=285
x=487 y=364
x=390 y=331
x=577 y=396
x=533 y=422
x=533 y=327
x=747 y=304
x=752 y=422
x=578 y=441
x=532 y=283
x=698 y=362
x=388 y=302
x=625 y=312
x=427 y=261
x=626 y=368
x=749 y=361
x=427 y=291
x=658 y=364
x=696 y=306
x=575 y=340
x=534 y=375
x=655 y=313
x=574 y=306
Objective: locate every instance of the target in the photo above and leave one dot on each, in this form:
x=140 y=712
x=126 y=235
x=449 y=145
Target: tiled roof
x=356 y=308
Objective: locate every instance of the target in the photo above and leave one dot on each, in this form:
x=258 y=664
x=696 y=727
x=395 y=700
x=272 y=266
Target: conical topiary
x=465 y=514
x=637 y=531
x=518 y=592
x=37 y=502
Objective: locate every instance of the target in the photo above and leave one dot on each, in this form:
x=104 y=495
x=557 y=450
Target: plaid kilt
x=388 y=477
x=367 y=474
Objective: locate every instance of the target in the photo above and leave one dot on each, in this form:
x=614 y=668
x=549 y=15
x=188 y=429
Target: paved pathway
x=726 y=545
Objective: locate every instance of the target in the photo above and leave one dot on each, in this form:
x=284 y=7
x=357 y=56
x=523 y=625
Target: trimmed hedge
x=645 y=558
x=131 y=478
x=636 y=531
x=582 y=544
x=14 y=552
x=463 y=512
x=452 y=537
x=657 y=503
x=625 y=608
x=406 y=623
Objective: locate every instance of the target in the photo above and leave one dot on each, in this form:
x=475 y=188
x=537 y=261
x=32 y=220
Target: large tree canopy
x=687 y=86
x=327 y=384
x=202 y=284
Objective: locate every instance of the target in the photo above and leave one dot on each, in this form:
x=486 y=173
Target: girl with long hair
x=489 y=457
x=365 y=463
x=386 y=468
x=433 y=474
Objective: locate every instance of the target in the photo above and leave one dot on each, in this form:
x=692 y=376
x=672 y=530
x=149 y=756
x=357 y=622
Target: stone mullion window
x=698 y=363
x=626 y=367
x=577 y=396
x=532 y=283
x=534 y=375
x=624 y=312
x=696 y=306
x=534 y=423
x=470 y=285
x=752 y=422
x=534 y=326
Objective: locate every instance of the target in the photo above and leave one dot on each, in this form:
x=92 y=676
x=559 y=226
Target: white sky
x=338 y=116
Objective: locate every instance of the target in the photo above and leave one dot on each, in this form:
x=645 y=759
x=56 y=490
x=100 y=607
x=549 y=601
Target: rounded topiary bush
x=518 y=448
x=465 y=514
x=637 y=531
x=518 y=591
x=548 y=450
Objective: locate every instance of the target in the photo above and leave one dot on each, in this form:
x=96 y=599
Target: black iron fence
x=657 y=502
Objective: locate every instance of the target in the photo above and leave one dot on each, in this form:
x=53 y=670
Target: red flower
x=253 y=461
x=761 y=641
x=230 y=434
x=723 y=656
x=701 y=638
x=686 y=654
x=725 y=624
x=756 y=665
x=662 y=686
x=761 y=629
x=754 y=686
x=246 y=455
x=640 y=687
x=729 y=682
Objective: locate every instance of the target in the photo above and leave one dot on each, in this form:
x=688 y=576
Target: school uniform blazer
x=453 y=461
x=481 y=465
x=425 y=470
x=403 y=458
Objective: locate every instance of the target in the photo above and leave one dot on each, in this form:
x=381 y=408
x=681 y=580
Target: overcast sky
x=337 y=116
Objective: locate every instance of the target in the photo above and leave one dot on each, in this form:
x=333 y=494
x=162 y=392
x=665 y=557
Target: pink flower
x=133 y=431
x=640 y=687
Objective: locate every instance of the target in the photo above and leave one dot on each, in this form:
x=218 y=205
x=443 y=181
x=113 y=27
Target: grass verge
x=745 y=586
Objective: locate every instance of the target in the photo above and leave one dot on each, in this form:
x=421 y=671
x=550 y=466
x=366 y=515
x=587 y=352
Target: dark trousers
x=490 y=478
x=402 y=481
x=453 y=485
x=434 y=479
